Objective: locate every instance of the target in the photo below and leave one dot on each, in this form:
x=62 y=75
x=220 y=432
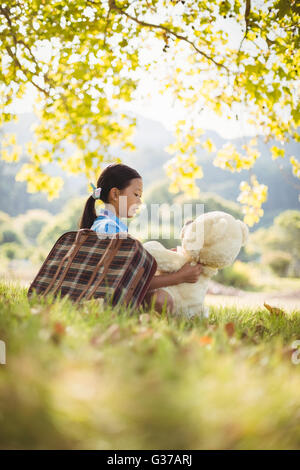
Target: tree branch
x=14 y=57
x=19 y=65
x=113 y=6
x=246 y=16
x=29 y=77
x=247 y=13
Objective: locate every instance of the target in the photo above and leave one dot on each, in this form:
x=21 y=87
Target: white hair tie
x=96 y=191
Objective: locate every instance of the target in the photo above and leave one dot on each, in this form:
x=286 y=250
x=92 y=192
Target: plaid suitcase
x=84 y=266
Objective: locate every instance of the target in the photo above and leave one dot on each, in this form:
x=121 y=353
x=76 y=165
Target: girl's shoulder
x=104 y=225
x=107 y=222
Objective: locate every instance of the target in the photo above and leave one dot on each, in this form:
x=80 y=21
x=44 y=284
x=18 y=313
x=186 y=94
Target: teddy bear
x=213 y=239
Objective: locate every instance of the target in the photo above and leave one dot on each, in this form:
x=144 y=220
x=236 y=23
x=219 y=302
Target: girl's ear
x=114 y=193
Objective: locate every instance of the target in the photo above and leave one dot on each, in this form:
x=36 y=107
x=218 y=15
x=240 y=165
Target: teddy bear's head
x=214 y=238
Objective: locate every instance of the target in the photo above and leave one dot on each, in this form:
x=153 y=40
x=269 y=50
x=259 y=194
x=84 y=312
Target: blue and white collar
x=112 y=215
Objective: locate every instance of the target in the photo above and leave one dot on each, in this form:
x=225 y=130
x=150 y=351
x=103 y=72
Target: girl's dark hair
x=116 y=175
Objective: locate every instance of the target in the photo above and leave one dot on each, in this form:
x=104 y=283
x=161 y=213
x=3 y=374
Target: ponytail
x=89 y=214
x=116 y=175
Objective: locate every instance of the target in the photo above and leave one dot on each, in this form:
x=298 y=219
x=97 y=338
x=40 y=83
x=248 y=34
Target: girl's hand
x=188 y=273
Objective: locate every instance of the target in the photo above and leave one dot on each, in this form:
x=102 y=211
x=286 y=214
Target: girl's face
x=129 y=198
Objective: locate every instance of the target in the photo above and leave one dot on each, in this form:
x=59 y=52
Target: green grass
x=86 y=377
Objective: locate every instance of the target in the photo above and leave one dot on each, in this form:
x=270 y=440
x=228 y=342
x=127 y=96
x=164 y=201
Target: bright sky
x=160 y=108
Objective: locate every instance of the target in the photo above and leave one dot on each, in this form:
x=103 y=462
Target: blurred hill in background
x=151 y=138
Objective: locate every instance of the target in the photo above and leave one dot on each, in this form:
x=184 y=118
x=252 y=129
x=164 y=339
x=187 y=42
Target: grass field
x=92 y=377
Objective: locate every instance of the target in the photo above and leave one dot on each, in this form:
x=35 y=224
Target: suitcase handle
x=80 y=238
x=105 y=260
x=80 y=233
x=70 y=254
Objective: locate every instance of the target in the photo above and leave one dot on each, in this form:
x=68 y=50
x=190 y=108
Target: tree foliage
x=84 y=59
x=32 y=222
x=67 y=220
x=282 y=237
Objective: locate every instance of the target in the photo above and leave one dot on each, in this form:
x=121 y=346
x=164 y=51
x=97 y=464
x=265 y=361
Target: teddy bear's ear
x=193 y=236
x=245 y=232
x=187 y=222
x=215 y=230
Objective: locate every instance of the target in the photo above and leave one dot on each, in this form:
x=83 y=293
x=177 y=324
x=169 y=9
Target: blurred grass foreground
x=93 y=377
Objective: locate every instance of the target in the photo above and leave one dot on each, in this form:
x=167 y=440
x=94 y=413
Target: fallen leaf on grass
x=274 y=310
x=204 y=340
x=59 y=328
x=59 y=331
x=230 y=329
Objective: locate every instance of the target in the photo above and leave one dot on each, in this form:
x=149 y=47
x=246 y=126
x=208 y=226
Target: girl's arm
x=164 y=280
x=186 y=273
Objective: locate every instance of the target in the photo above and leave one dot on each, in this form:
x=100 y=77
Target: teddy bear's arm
x=167 y=260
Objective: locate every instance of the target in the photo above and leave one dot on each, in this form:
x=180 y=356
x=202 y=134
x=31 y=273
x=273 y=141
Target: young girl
x=120 y=188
